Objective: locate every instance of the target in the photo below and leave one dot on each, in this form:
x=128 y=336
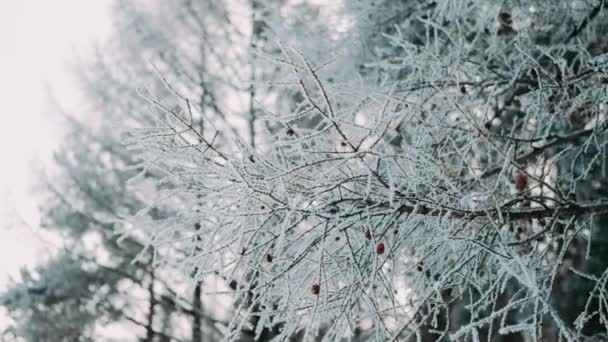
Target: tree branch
x=557 y=141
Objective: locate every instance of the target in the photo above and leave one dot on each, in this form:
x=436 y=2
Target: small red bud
x=380 y=248
x=269 y=257
x=368 y=234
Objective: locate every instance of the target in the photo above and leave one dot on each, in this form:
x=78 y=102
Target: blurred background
x=39 y=40
x=76 y=77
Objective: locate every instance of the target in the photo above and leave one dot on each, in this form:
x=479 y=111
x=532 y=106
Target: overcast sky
x=37 y=40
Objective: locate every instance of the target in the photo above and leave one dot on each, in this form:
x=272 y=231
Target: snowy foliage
x=459 y=160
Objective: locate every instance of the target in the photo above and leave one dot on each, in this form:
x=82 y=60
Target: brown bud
x=504 y=18
x=521 y=182
x=368 y=234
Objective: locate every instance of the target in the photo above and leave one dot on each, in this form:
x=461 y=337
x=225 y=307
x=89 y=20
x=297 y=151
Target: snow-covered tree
x=384 y=170
x=440 y=176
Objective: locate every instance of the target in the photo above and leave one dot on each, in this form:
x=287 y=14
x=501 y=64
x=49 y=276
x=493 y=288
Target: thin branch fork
x=188 y=125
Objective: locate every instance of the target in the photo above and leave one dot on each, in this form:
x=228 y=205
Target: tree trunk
x=197 y=318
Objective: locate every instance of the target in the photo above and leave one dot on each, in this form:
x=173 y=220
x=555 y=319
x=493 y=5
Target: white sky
x=37 y=39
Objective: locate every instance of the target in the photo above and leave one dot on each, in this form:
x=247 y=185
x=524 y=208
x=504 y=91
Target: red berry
x=315 y=289
x=380 y=248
